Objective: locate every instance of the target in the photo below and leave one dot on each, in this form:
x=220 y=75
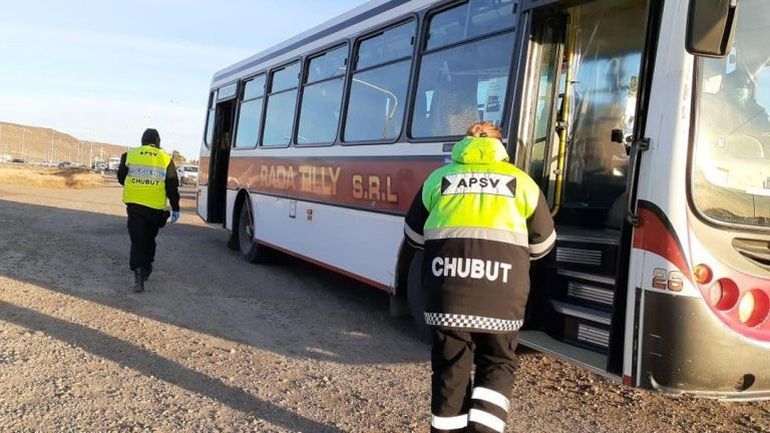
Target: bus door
x=578 y=123
x=212 y=194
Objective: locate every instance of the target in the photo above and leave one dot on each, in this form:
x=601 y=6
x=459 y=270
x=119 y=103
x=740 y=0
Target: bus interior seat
x=370 y=115
x=453 y=106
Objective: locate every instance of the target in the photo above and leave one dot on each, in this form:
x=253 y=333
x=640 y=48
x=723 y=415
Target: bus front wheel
x=417 y=297
x=250 y=250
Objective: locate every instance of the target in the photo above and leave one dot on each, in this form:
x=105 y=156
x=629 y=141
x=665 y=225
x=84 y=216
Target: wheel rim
x=246 y=228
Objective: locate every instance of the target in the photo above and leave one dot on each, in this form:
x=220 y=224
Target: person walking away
x=480 y=220
x=149 y=177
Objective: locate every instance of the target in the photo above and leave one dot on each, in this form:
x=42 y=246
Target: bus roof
x=348 y=24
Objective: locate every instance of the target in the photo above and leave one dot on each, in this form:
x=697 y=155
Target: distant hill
x=33 y=144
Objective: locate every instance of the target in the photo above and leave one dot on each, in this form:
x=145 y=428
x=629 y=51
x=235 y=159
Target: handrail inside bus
x=562 y=126
x=387 y=92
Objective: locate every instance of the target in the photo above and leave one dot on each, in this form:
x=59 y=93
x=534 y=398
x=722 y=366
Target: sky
x=106 y=70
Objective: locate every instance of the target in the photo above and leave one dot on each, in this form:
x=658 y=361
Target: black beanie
x=151 y=136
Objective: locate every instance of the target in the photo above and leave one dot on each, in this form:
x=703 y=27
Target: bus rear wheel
x=418 y=298
x=250 y=250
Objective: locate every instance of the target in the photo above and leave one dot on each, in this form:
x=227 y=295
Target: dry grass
x=49 y=177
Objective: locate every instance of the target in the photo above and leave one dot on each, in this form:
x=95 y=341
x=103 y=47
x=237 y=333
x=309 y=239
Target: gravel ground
x=216 y=344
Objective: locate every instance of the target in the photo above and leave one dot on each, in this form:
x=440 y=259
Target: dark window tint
x=471 y=19
x=285 y=78
x=328 y=65
x=254 y=88
x=249 y=120
x=320 y=113
x=210 y=127
x=603 y=91
x=389 y=45
x=376 y=107
x=279 y=118
x=461 y=85
x=209 y=134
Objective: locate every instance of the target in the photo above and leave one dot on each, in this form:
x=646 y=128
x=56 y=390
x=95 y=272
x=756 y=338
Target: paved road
x=216 y=344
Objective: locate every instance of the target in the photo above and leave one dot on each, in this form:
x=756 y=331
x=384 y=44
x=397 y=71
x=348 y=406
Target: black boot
x=138 y=280
x=147 y=272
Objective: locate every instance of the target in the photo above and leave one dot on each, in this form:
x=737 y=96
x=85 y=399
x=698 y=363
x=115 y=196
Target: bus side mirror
x=710 y=27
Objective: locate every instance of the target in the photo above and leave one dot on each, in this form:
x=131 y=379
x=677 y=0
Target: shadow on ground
x=150 y=364
x=288 y=307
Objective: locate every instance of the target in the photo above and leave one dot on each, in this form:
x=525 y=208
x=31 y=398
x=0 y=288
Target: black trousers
x=463 y=404
x=143 y=226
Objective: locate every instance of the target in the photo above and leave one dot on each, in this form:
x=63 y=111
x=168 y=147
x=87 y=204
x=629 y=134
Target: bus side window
x=322 y=91
x=281 y=103
x=469 y=20
x=378 y=88
x=250 y=113
x=211 y=117
x=460 y=84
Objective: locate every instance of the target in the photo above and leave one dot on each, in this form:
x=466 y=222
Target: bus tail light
x=739 y=300
x=754 y=308
x=702 y=274
x=724 y=294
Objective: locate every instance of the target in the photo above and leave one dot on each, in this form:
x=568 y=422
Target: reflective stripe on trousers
x=485 y=397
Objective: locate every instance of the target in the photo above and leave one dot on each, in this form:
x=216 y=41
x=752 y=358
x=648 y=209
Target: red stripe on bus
x=386 y=184
x=350 y=275
x=656 y=236
x=203 y=170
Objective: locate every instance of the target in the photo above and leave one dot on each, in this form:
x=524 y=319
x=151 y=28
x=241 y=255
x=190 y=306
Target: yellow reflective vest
x=484 y=197
x=480 y=220
x=145 y=182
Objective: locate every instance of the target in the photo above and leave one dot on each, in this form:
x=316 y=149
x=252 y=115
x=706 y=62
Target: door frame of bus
x=653 y=15
x=646 y=74
x=523 y=120
x=224 y=123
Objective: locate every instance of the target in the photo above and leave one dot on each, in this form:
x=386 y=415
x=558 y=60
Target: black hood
x=150 y=137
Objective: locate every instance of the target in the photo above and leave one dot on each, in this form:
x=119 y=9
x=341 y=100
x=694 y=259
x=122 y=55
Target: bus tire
x=232 y=241
x=250 y=250
x=417 y=297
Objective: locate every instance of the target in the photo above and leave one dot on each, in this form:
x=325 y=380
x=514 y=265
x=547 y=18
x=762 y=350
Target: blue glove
x=174 y=216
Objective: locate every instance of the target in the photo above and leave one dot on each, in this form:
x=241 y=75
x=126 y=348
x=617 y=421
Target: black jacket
x=476 y=275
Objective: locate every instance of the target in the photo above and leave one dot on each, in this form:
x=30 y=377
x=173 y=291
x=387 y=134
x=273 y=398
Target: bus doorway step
x=542 y=342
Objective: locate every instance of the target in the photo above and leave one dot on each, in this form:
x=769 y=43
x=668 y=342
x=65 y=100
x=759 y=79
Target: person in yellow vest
x=480 y=220
x=149 y=177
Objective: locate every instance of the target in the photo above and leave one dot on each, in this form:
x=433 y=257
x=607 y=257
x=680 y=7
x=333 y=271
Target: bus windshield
x=731 y=158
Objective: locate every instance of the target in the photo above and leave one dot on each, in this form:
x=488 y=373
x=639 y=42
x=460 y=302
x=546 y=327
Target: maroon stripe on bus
x=385 y=184
x=203 y=170
x=628 y=380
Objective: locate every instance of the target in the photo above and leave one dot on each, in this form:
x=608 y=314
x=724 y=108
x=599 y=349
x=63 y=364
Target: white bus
x=644 y=121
